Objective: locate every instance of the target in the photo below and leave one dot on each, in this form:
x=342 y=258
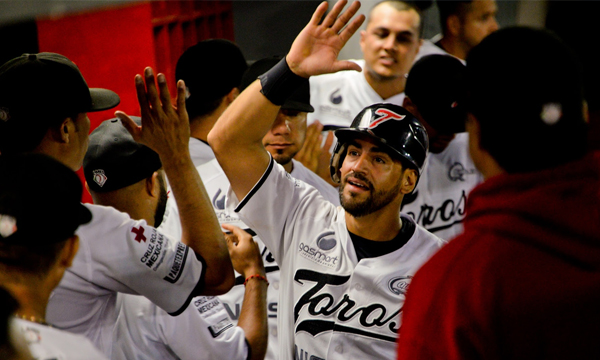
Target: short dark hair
x=33 y=260
x=400 y=5
x=529 y=108
x=447 y=8
x=210 y=70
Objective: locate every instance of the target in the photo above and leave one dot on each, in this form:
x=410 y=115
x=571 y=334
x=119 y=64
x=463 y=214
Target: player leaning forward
x=344 y=270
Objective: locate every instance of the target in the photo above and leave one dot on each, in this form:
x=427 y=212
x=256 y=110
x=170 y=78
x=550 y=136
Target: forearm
x=236 y=138
x=200 y=228
x=253 y=317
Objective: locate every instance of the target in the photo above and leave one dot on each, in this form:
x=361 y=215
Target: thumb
x=341 y=65
x=130 y=125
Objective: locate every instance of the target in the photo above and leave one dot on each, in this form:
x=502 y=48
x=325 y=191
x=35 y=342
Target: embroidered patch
x=100 y=177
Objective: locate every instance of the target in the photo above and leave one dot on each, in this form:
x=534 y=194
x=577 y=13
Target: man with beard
x=143 y=330
x=344 y=270
x=389 y=43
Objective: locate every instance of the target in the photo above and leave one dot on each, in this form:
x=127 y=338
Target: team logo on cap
x=100 y=177
x=385 y=115
x=399 y=285
x=8 y=225
x=4 y=116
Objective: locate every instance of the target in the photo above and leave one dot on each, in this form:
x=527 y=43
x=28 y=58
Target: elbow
x=214 y=139
x=220 y=280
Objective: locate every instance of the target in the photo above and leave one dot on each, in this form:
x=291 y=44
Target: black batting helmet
x=393 y=127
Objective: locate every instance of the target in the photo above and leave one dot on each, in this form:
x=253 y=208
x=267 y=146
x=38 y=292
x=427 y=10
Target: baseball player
x=464 y=24
x=344 y=270
x=116 y=253
x=287 y=132
x=436 y=94
x=37 y=244
x=144 y=331
x=389 y=45
x=212 y=71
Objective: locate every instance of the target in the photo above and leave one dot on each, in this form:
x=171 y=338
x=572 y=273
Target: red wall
x=110 y=46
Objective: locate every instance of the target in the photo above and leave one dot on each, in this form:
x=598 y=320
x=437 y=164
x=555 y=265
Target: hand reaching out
x=317 y=47
x=244 y=252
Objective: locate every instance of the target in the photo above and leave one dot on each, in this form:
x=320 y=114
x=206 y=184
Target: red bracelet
x=257 y=276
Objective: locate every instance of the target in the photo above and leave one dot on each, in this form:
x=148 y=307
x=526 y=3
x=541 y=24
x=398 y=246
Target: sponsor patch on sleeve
x=220 y=327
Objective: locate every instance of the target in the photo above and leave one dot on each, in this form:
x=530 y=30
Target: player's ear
x=409 y=181
x=410 y=106
x=152 y=185
x=232 y=95
x=69 y=251
x=62 y=132
x=453 y=23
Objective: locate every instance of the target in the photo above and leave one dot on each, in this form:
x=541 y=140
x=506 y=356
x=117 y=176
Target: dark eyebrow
x=374 y=149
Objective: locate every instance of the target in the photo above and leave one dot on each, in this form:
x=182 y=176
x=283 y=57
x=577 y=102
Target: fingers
x=330 y=19
x=130 y=125
x=140 y=89
x=343 y=19
x=354 y=25
x=328 y=142
x=240 y=234
x=318 y=14
x=165 y=96
x=181 y=110
x=151 y=92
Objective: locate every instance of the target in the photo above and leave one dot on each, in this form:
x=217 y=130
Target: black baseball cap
x=114 y=160
x=299 y=100
x=436 y=84
x=530 y=107
x=40 y=200
x=40 y=90
x=210 y=69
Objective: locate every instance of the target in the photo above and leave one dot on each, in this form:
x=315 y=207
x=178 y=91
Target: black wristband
x=280 y=82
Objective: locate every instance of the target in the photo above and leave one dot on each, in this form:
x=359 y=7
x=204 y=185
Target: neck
x=382 y=225
x=289 y=166
x=32 y=299
x=386 y=88
x=200 y=126
x=453 y=48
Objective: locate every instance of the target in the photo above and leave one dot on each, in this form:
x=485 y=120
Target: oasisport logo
x=219 y=201
x=457 y=172
x=325 y=243
x=385 y=115
x=335 y=97
x=100 y=177
x=399 y=285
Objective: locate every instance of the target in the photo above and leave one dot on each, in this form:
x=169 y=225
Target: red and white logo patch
x=385 y=115
x=100 y=177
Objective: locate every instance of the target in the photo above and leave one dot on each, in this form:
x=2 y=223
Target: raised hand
x=317 y=47
x=165 y=128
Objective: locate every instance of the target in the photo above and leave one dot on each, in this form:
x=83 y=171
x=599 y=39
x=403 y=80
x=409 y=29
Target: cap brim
x=103 y=99
x=298 y=106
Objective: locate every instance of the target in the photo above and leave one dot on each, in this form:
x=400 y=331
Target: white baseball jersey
x=429 y=47
x=300 y=172
x=202 y=331
x=118 y=254
x=217 y=184
x=332 y=305
x=339 y=97
x=47 y=343
x=200 y=152
x=442 y=191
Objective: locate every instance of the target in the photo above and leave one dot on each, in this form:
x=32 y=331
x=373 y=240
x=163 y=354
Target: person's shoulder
x=104 y=215
x=53 y=341
x=301 y=172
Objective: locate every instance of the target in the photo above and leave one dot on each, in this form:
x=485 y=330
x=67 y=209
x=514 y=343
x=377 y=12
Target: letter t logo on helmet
x=404 y=136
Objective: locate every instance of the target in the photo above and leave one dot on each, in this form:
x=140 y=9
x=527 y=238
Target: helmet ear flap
x=339 y=153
